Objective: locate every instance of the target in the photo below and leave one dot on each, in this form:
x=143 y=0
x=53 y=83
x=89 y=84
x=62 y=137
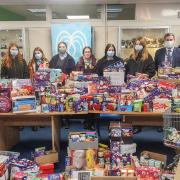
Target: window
x=22 y=13
x=62 y=11
x=121 y=11
x=10 y=35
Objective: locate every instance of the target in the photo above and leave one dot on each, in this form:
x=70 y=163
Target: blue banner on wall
x=76 y=35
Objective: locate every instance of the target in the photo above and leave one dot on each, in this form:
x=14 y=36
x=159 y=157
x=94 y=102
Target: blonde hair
x=144 y=53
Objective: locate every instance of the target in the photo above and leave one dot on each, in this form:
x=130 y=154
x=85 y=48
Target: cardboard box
x=116 y=78
x=114 y=124
x=47 y=159
x=127 y=133
x=112 y=178
x=177 y=174
x=156 y=156
x=128 y=148
x=23 y=104
x=82 y=145
x=81 y=175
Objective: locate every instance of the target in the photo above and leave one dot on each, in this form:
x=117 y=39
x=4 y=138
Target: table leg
x=124 y=118
x=9 y=136
x=55 y=125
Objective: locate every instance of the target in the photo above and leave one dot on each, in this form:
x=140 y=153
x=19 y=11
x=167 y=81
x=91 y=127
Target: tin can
x=101 y=162
x=60 y=107
x=160 y=71
x=100 y=154
x=53 y=108
x=146 y=107
x=67 y=161
x=45 y=108
x=167 y=70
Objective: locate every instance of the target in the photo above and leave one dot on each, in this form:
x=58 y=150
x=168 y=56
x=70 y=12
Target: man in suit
x=169 y=56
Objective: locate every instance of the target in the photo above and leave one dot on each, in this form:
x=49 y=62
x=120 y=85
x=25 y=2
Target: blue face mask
x=110 y=53
x=38 y=56
x=14 y=52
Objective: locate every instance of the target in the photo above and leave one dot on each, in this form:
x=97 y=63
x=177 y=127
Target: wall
x=147 y=15
x=40 y=37
x=158 y=11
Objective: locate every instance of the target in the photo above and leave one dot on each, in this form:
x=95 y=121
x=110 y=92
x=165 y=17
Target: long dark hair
x=107 y=47
x=7 y=61
x=87 y=47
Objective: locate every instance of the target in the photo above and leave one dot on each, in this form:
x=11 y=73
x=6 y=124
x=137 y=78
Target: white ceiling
x=31 y=2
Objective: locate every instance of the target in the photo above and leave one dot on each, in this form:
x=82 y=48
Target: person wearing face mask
x=38 y=61
x=140 y=61
x=13 y=65
x=169 y=55
x=62 y=60
x=86 y=62
x=108 y=59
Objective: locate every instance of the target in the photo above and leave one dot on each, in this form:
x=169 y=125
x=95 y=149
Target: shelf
x=128 y=113
x=41 y=114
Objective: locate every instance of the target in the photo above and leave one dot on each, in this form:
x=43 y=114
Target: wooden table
x=9 y=122
x=137 y=118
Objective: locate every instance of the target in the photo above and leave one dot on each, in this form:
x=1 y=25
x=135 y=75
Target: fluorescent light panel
x=37 y=10
x=78 y=17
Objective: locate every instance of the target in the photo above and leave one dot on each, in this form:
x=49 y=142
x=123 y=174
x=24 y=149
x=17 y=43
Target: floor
x=149 y=139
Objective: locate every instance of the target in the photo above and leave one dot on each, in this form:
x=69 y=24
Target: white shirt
x=62 y=56
x=166 y=63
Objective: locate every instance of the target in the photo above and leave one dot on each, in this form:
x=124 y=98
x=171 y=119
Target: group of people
x=139 y=61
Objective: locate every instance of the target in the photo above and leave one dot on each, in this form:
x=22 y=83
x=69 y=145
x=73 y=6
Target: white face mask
x=169 y=44
x=138 y=47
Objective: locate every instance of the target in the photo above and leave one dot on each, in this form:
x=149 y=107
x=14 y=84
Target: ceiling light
x=169 y=12
x=114 y=10
x=37 y=10
x=78 y=17
x=111 y=10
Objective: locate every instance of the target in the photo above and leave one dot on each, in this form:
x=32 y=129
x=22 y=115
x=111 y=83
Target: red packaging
x=167 y=85
x=2 y=169
x=146 y=107
x=96 y=106
x=148 y=173
x=92 y=88
x=42 y=176
x=19 y=176
x=47 y=168
x=5 y=104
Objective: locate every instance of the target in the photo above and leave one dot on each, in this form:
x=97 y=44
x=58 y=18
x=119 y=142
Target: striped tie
x=169 y=56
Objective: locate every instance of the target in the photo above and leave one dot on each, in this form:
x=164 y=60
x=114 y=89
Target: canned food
x=146 y=107
x=67 y=161
x=100 y=154
x=101 y=162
